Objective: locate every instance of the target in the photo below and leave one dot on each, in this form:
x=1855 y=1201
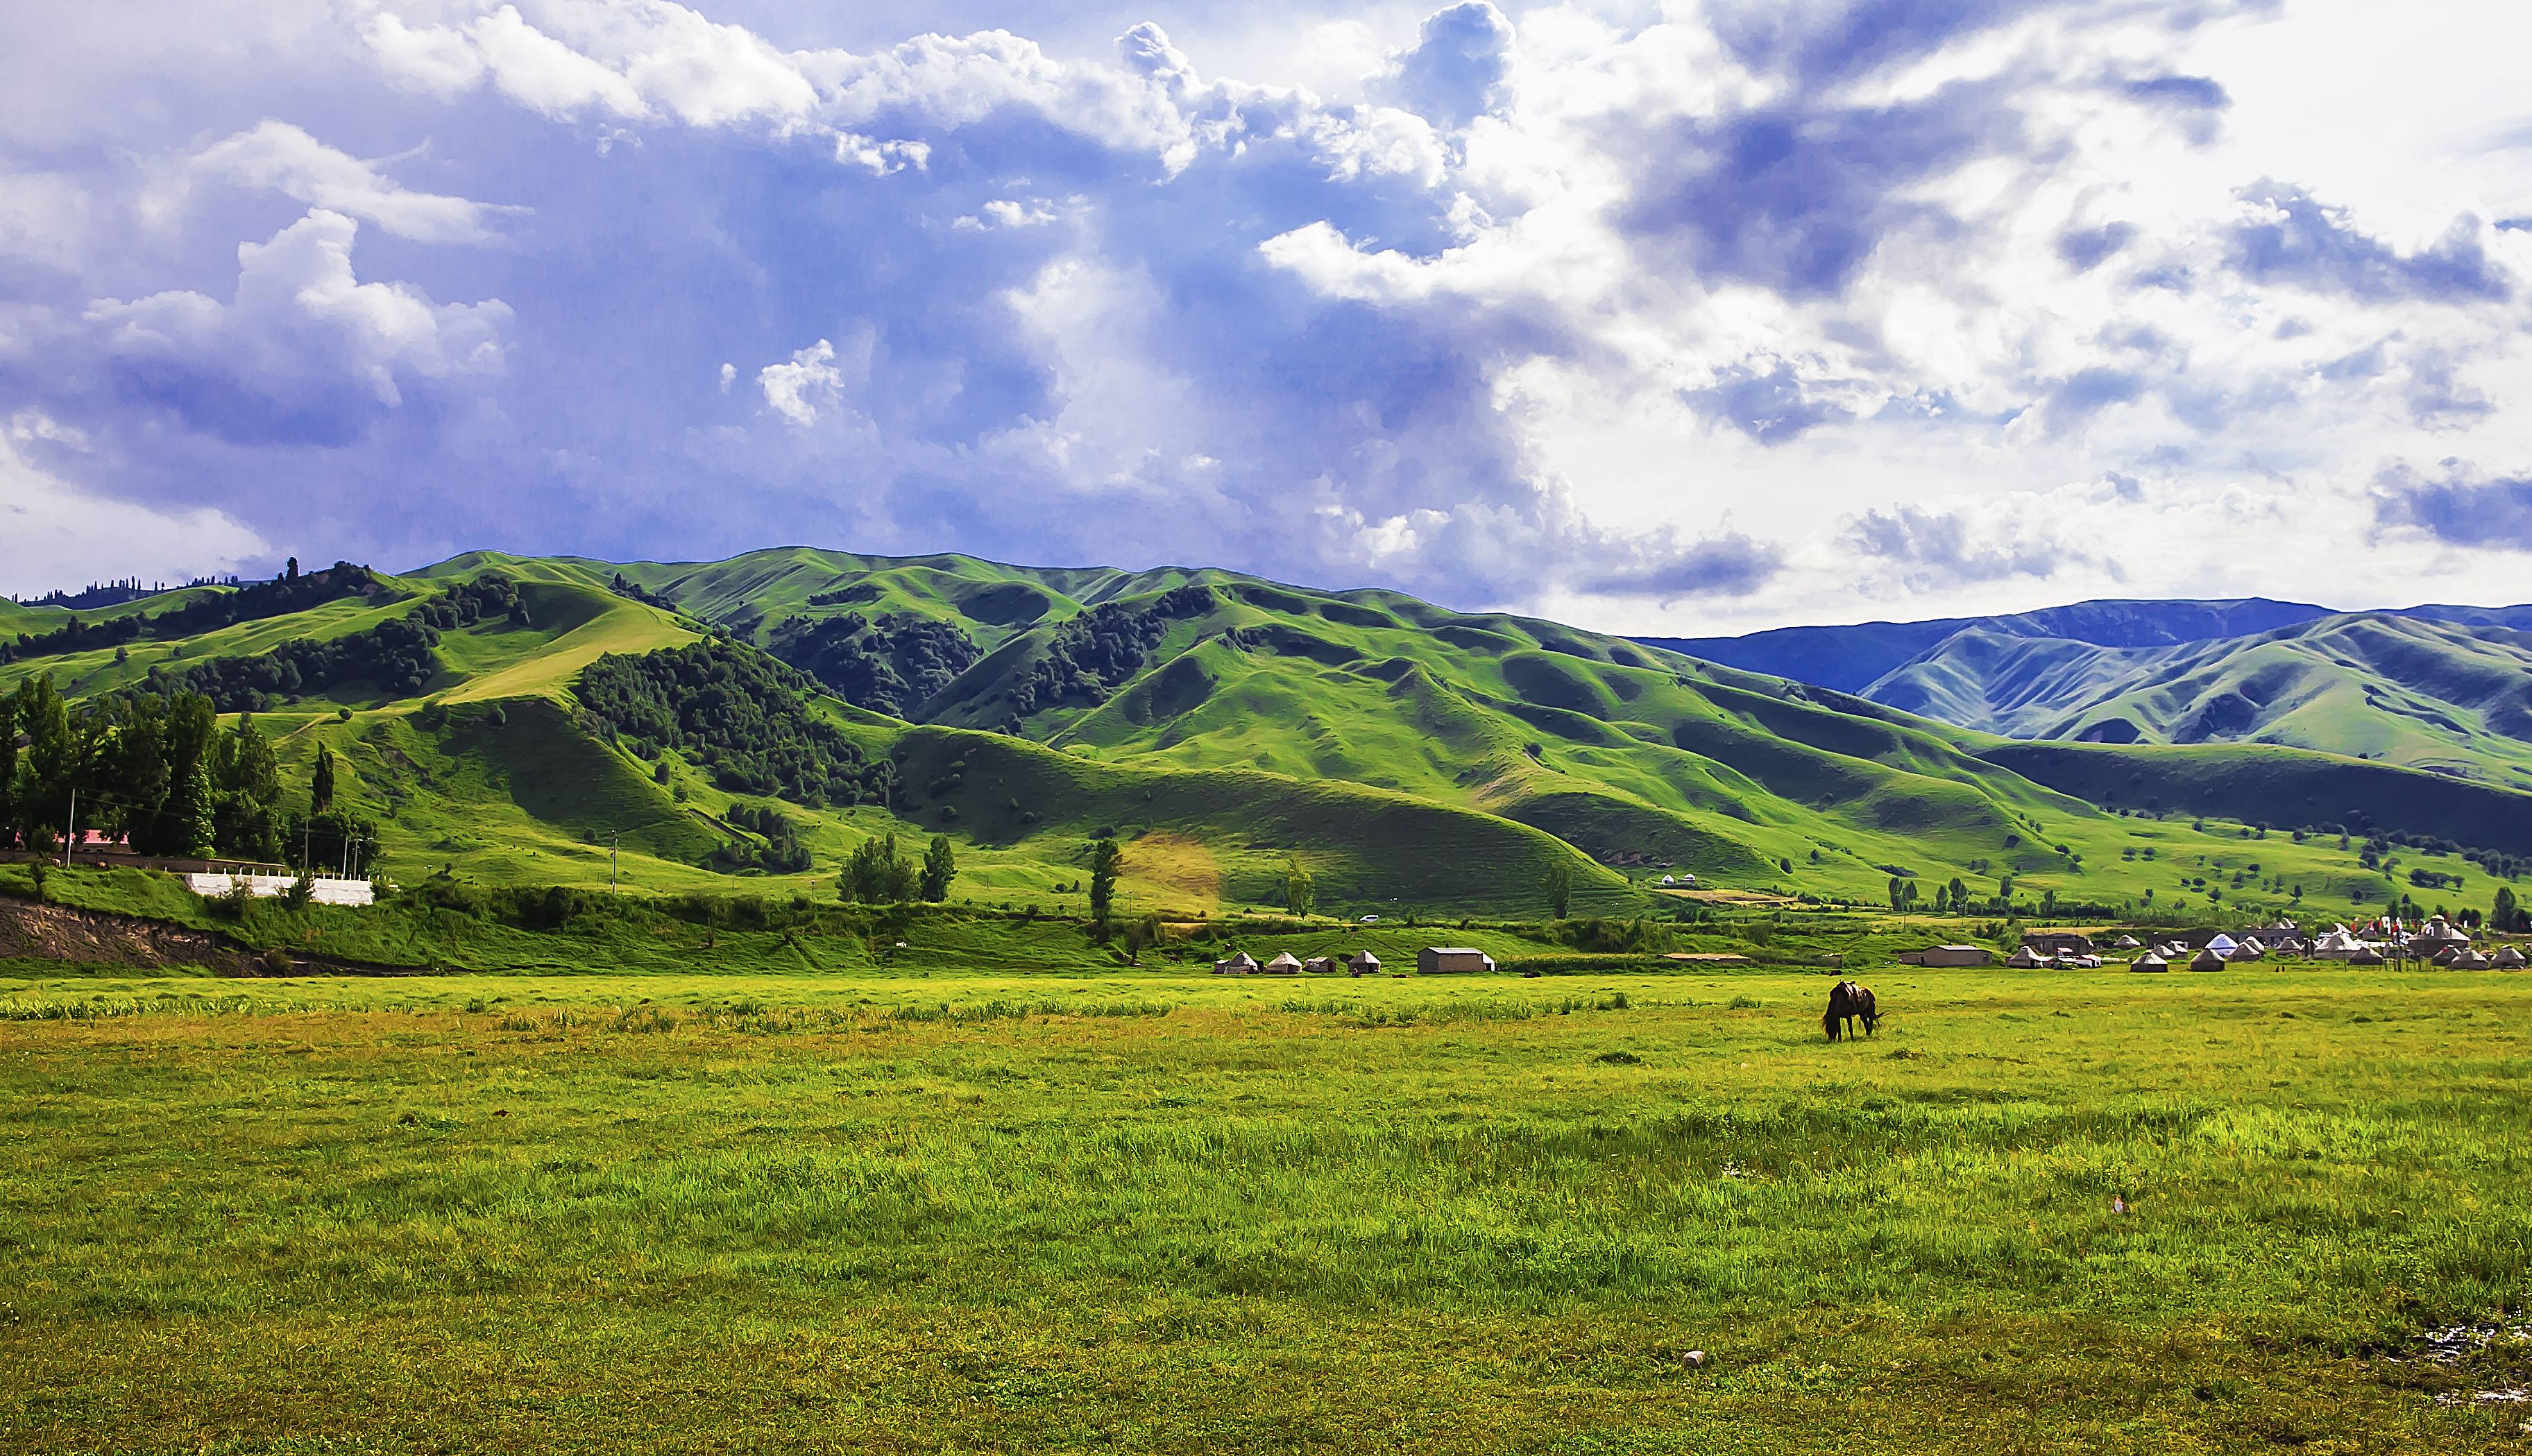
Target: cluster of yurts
x=1241 y=963
x=2438 y=942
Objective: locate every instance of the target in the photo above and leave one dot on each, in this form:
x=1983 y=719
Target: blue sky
x=1689 y=318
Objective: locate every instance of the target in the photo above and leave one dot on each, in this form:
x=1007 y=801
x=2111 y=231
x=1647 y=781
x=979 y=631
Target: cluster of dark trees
x=891 y=665
x=1090 y=655
x=399 y=655
x=738 y=712
x=161 y=775
x=488 y=598
x=781 y=853
x=625 y=587
x=874 y=875
x=96 y=594
x=2378 y=843
x=285 y=594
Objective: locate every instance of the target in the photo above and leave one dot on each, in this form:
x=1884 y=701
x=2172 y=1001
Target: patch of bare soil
x=33 y=930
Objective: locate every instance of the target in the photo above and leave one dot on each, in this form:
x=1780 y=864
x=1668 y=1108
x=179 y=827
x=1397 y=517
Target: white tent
x=2128 y=942
x=2207 y=960
x=1287 y=963
x=2509 y=959
x=2024 y=960
x=2150 y=961
x=1239 y=963
x=2222 y=945
x=2251 y=949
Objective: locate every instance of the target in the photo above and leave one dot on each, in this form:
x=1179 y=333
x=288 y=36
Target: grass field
x=939 y=1210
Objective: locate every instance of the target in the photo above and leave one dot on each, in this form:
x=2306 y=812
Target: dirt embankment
x=60 y=933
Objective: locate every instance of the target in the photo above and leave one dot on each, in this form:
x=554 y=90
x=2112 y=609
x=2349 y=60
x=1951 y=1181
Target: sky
x=1686 y=319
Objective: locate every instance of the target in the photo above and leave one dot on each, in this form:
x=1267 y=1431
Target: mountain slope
x=1637 y=755
x=2388 y=688
x=1850 y=658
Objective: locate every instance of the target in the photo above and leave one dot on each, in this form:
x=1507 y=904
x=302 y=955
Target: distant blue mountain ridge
x=1851 y=658
x=2441 y=687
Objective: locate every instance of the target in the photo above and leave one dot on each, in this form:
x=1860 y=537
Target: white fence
x=329 y=890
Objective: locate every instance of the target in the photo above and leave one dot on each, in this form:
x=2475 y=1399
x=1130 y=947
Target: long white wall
x=328 y=889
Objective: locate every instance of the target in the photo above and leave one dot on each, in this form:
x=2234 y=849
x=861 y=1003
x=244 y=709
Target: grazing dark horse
x=1848 y=1004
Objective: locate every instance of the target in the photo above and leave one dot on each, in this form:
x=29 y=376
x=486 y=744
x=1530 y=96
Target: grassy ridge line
x=2377 y=686
x=991 y=599
x=1342 y=689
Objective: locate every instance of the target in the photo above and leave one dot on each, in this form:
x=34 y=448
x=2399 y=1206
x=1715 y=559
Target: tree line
x=285 y=594
x=399 y=656
x=161 y=775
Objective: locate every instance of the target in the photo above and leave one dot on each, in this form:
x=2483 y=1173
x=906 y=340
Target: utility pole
x=70 y=830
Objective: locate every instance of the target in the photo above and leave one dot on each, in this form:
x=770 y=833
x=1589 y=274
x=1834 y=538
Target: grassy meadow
x=924 y=1210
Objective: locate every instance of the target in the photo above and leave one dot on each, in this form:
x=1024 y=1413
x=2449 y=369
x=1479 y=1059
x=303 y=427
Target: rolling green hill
x=2394 y=688
x=684 y=726
x=1851 y=658
x=1638 y=756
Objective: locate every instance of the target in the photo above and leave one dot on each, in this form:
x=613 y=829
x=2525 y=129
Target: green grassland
x=2449 y=698
x=910 y=1211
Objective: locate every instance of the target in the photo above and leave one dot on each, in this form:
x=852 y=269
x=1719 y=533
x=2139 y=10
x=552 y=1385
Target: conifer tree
x=940 y=866
x=1107 y=862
